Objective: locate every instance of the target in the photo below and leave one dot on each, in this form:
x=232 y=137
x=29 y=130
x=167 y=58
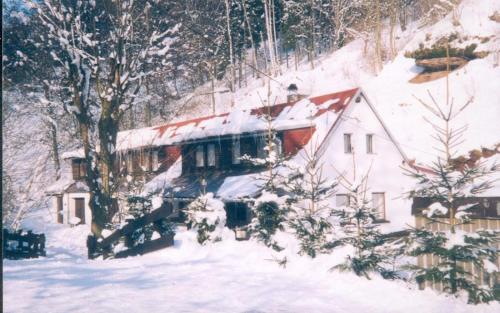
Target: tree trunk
x=253 y=48
x=230 y=39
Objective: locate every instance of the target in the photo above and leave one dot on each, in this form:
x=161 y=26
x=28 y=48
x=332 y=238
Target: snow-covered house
x=204 y=154
x=70 y=194
x=343 y=127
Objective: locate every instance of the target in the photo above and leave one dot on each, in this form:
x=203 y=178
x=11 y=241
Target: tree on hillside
x=103 y=48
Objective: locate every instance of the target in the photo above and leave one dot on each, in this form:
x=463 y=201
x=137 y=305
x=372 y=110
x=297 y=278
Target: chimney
x=292 y=94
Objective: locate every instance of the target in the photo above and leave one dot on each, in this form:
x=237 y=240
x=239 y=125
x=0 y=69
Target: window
x=130 y=162
x=498 y=208
x=78 y=169
x=342 y=200
x=200 y=156
x=236 y=151
x=369 y=143
x=378 y=201
x=261 y=146
x=211 y=155
x=347 y=143
x=277 y=146
x=145 y=160
x=154 y=160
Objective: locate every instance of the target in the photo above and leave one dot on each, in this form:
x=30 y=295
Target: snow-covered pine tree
x=358 y=230
x=206 y=215
x=452 y=178
x=309 y=193
x=271 y=208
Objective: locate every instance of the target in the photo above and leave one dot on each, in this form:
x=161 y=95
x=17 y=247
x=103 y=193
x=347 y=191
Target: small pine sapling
x=309 y=194
x=271 y=208
x=449 y=179
x=371 y=251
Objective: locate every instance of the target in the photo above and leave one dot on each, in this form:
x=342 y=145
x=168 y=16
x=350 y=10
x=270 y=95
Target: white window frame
x=379 y=208
x=199 y=156
x=261 y=146
x=211 y=155
x=130 y=162
x=236 y=150
x=154 y=160
x=348 y=143
x=145 y=160
x=369 y=143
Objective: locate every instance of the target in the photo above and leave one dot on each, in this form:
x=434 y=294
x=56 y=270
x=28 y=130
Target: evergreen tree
x=309 y=196
x=371 y=252
x=272 y=206
x=449 y=179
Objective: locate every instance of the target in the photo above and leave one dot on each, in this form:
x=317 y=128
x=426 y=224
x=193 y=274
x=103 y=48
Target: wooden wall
x=429 y=260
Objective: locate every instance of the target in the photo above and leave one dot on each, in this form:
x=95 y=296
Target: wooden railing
x=105 y=246
x=17 y=245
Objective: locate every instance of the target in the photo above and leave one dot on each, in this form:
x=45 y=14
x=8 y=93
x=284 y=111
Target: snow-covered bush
x=270 y=213
x=206 y=215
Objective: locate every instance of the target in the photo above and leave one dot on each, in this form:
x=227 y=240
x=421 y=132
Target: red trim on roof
x=163 y=128
x=343 y=98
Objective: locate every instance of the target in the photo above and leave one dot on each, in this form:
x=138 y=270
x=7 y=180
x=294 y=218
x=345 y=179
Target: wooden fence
x=430 y=260
x=17 y=245
x=105 y=246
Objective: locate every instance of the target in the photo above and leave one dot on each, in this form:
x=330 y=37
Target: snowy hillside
x=246 y=276
x=394 y=97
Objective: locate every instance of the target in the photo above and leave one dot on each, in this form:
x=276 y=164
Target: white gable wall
x=385 y=174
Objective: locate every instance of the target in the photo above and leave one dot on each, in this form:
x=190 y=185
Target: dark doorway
x=80 y=209
x=237 y=214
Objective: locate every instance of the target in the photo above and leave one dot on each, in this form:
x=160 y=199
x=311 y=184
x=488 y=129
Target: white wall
x=385 y=174
x=69 y=207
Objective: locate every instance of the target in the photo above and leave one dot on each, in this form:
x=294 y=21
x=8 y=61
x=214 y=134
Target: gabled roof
x=293 y=115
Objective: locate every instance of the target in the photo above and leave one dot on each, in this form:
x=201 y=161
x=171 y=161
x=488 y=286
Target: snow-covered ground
x=228 y=276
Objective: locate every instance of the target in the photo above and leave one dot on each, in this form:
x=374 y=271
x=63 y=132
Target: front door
x=80 y=209
x=59 y=209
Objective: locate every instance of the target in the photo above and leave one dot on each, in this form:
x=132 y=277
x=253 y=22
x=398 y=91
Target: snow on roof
x=73 y=154
x=291 y=115
x=59 y=186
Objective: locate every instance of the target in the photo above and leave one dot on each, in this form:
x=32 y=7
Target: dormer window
x=200 y=156
x=236 y=150
x=211 y=155
x=154 y=161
